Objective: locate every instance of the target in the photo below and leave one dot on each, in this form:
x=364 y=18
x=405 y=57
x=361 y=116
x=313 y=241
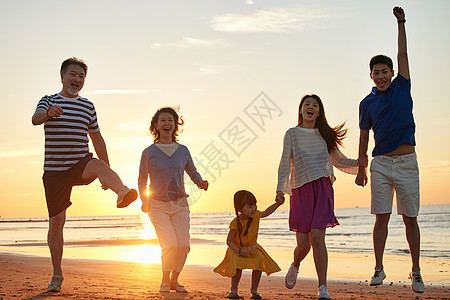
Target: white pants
x=171 y=220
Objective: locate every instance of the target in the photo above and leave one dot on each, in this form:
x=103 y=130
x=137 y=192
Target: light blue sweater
x=166 y=173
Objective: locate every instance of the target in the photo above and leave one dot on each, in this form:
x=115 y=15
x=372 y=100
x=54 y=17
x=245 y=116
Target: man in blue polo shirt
x=387 y=110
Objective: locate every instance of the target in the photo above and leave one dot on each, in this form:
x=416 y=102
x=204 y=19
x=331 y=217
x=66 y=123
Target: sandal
x=164 y=288
x=232 y=295
x=55 y=283
x=256 y=296
x=179 y=288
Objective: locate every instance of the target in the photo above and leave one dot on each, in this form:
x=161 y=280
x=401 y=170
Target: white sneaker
x=126 y=196
x=55 y=283
x=377 y=278
x=417 y=284
x=291 y=277
x=323 y=292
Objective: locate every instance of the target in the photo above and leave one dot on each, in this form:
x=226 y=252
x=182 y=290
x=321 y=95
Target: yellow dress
x=258 y=259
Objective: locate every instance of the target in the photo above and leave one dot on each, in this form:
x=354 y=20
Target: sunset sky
x=232 y=67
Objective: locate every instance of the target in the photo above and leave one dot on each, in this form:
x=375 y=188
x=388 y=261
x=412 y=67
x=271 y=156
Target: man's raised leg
x=97 y=168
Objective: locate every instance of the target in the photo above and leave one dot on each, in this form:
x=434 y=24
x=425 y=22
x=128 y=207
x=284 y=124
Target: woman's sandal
x=234 y=296
x=256 y=296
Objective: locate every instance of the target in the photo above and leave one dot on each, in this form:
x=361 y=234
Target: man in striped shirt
x=68 y=119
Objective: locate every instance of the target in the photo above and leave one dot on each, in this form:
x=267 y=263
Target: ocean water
x=354 y=235
x=132 y=239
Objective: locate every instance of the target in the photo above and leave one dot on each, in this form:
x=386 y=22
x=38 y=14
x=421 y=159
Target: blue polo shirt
x=389 y=114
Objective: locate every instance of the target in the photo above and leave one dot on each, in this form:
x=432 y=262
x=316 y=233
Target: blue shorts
x=58 y=185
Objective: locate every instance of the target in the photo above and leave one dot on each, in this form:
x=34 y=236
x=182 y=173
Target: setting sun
x=148 y=231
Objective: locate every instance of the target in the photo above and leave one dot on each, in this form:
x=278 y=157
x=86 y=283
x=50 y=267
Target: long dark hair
x=178 y=120
x=241 y=198
x=332 y=136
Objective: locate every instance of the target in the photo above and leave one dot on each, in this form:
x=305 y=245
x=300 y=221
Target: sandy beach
x=26 y=277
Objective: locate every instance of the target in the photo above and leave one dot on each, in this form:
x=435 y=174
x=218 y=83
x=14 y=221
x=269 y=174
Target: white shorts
x=399 y=174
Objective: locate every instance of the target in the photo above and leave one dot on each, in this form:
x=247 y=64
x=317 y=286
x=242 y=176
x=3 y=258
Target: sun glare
x=150 y=253
x=148 y=231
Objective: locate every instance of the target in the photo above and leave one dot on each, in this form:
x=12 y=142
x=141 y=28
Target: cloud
x=115 y=92
x=274 y=20
x=437 y=168
x=204 y=43
x=129 y=126
x=208 y=69
x=131 y=143
x=189 y=42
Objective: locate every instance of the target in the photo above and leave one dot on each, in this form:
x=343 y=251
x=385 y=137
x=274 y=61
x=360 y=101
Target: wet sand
x=26 y=277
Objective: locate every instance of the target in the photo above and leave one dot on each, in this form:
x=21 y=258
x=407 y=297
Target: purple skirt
x=312 y=206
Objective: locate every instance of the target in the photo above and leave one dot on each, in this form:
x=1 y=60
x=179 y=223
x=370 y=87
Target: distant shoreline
x=105 y=217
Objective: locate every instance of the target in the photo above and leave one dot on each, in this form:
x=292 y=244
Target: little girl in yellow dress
x=243 y=251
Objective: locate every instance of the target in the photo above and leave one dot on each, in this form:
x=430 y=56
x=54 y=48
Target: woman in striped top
x=306 y=173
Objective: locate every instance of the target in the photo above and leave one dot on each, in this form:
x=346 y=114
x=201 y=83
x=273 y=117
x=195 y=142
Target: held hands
x=54 y=111
x=363 y=161
x=203 y=184
x=244 y=252
x=279 y=199
x=399 y=13
x=361 y=178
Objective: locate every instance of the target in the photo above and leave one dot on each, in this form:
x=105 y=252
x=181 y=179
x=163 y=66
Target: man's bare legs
x=55 y=240
x=97 y=168
x=413 y=238
x=380 y=233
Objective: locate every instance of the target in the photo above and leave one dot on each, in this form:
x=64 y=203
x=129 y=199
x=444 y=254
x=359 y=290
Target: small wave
x=72 y=219
x=127 y=226
x=350 y=234
x=110 y=242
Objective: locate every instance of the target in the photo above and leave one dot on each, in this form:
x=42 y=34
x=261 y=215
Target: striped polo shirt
x=66 y=137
